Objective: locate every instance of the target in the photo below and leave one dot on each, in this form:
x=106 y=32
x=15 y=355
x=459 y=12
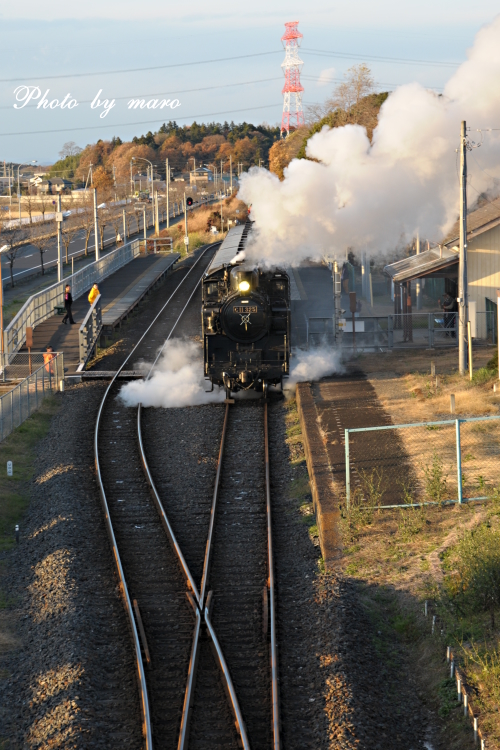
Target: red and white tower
x=292 y=118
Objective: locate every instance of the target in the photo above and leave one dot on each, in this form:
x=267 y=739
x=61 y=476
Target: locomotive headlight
x=243 y=286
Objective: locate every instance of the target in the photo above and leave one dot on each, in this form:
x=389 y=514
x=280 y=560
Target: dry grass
x=405 y=553
x=398 y=555
x=412 y=396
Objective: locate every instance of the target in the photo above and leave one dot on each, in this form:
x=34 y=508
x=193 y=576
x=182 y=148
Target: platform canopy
x=437 y=262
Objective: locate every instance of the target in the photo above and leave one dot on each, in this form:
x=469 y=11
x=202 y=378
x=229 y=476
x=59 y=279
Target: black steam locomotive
x=245 y=319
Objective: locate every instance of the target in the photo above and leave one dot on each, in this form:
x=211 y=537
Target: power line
x=142 y=122
x=220 y=86
x=376 y=58
x=327 y=53
x=184 y=91
x=138 y=70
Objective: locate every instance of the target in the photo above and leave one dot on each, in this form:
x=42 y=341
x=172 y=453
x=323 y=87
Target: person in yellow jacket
x=93 y=294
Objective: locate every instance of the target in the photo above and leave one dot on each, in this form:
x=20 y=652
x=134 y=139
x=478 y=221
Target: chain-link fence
x=20 y=402
x=430 y=462
x=20 y=366
x=418 y=329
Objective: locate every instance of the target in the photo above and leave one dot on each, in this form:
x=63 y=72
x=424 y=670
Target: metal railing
x=443 y=462
x=41 y=306
x=89 y=330
x=402 y=330
x=20 y=403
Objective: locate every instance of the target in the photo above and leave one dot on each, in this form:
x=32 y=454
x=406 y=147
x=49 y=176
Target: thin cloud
x=326 y=76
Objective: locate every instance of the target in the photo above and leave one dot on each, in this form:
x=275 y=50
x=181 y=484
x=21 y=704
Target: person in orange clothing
x=48 y=356
x=93 y=294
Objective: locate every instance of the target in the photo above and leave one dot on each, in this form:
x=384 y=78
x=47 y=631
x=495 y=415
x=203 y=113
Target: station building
x=483 y=268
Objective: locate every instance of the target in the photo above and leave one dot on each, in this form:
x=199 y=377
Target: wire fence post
x=347 y=470
x=390 y=332
x=459 y=461
x=431 y=330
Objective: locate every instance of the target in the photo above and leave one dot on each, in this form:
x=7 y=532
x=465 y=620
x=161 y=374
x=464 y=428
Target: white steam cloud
x=313 y=364
x=176 y=381
x=373 y=196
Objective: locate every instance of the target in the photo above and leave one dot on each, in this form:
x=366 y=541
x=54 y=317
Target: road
x=28 y=263
x=28 y=259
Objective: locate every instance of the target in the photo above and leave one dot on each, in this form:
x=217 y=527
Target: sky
x=216 y=61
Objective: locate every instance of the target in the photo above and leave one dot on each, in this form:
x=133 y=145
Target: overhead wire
x=141 y=122
x=323 y=53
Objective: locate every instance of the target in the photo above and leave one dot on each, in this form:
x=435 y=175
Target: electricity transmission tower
x=292 y=117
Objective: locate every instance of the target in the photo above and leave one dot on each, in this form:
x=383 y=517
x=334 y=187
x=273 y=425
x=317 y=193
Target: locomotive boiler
x=245 y=319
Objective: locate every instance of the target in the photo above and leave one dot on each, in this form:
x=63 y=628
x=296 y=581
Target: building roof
x=422 y=264
x=480 y=220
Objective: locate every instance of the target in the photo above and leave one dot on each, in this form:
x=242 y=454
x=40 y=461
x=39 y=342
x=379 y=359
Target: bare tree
x=115 y=215
x=44 y=204
x=69 y=149
x=359 y=84
x=28 y=203
x=14 y=238
x=86 y=219
x=70 y=229
x=40 y=239
x=346 y=97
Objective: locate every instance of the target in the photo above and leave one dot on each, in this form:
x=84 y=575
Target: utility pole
x=463 y=307
x=418 y=286
x=131 y=181
x=231 y=171
x=221 y=179
x=157 y=218
x=186 y=235
x=124 y=227
x=60 y=273
x=167 y=190
x=96 y=227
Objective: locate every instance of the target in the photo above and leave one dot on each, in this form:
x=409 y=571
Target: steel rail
x=240 y=724
x=272 y=596
x=200 y=596
x=159 y=505
x=144 y=700
x=208 y=549
x=189 y=694
x=202 y=599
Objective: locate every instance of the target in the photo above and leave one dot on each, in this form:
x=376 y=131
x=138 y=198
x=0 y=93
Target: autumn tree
x=283 y=151
x=102 y=179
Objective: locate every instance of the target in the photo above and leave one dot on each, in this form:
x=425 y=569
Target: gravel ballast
x=71 y=681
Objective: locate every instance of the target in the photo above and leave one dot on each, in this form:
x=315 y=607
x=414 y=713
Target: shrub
x=435 y=480
x=476 y=583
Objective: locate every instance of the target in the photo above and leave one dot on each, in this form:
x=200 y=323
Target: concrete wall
x=483 y=267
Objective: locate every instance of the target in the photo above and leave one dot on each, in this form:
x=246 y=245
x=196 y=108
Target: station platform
x=120 y=294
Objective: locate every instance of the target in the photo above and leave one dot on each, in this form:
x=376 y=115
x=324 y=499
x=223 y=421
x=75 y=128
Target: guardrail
x=89 y=330
x=426 y=463
x=40 y=306
x=20 y=403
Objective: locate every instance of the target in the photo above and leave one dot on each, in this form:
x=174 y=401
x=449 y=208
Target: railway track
x=196 y=572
